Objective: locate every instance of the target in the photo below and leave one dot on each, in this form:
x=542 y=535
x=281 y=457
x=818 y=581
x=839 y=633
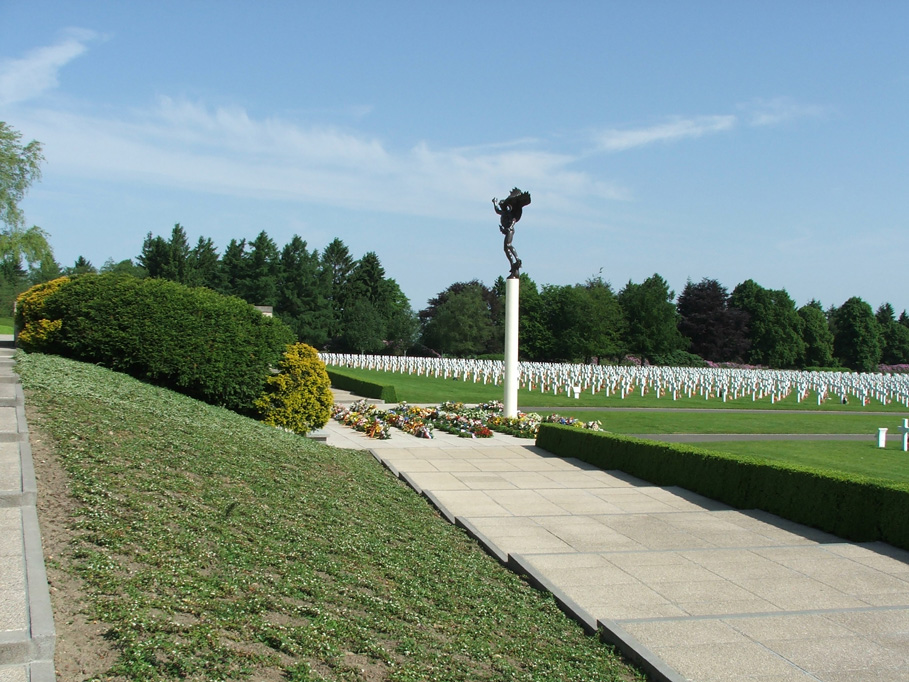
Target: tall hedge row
x=857 y=509
x=215 y=348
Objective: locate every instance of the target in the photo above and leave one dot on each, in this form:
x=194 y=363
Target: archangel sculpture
x=509 y=210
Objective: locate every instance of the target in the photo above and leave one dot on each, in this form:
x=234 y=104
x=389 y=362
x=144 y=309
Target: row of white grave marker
x=664 y=382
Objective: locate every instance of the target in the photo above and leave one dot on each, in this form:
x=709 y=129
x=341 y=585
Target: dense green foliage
x=817 y=336
x=857 y=341
x=212 y=347
x=20 y=167
x=775 y=328
x=717 y=330
x=863 y=510
x=299 y=396
x=213 y=547
x=652 y=319
x=329 y=300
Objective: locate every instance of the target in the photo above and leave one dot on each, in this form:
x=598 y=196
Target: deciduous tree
x=20 y=166
x=717 y=331
x=817 y=336
x=857 y=339
x=775 y=327
x=460 y=323
x=894 y=337
x=651 y=318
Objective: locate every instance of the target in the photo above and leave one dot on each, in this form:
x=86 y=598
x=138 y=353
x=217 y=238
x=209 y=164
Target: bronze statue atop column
x=510 y=210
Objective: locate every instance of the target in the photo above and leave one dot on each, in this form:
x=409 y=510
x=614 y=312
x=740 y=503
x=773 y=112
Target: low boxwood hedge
x=853 y=508
x=360 y=387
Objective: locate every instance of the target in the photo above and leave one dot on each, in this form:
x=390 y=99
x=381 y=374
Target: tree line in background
x=707 y=324
x=334 y=302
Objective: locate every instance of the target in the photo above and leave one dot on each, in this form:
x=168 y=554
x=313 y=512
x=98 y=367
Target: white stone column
x=512 y=295
x=882 y=437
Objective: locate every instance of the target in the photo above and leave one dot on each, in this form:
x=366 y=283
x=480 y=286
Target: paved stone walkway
x=26 y=620
x=688 y=588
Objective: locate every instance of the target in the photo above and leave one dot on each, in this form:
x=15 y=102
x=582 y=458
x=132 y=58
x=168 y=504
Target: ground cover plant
x=214 y=547
x=428 y=389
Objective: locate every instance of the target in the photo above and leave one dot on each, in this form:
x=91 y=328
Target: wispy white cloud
x=35 y=73
x=766 y=112
x=615 y=140
x=178 y=143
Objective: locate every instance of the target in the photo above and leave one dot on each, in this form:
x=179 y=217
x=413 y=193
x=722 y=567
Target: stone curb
x=28 y=654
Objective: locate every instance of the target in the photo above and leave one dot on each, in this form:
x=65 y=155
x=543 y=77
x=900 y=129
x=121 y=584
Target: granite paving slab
x=689 y=588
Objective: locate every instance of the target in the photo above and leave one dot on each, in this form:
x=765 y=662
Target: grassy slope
x=217 y=548
x=6 y=325
x=422 y=389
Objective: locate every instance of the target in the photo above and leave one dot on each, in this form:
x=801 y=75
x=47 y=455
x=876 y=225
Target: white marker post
x=512 y=304
x=905 y=429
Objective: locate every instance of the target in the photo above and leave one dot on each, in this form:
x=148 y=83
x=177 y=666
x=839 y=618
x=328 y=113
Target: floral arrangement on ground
x=454 y=418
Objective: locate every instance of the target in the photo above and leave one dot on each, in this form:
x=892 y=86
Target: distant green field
x=422 y=389
x=730 y=421
x=6 y=325
x=851 y=457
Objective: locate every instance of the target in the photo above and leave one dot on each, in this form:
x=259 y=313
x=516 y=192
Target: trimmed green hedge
x=854 y=508
x=214 y=348
x=366 y=389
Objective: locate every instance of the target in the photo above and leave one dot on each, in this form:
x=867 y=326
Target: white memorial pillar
x=882 y=437
x=512 y=304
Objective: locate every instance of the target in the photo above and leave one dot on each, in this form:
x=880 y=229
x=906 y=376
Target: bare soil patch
x=82 y=651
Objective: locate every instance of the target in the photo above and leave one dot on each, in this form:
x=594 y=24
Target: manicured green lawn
x=731 y=421
x=6 y=325
x=214 y=547
x=851 y=457
x=422 y=389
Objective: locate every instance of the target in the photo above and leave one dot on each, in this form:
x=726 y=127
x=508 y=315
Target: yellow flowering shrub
x=36 y=331
x=298 y=397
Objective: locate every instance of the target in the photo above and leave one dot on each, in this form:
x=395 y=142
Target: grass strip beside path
x=213 y=547
x=890 y=464
x=730 y=421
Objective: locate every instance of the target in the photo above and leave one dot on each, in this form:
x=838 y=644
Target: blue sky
x=707 y=139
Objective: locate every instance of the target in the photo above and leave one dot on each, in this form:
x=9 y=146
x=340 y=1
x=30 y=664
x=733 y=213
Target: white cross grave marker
x=905 y=429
